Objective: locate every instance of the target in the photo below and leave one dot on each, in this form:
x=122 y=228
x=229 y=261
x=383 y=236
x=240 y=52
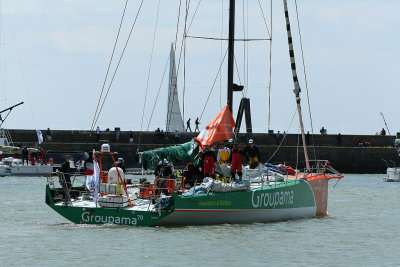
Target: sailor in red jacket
x=208 y=158
x=236 y=161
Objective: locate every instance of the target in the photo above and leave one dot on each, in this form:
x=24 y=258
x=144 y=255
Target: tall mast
x=231 y=54
x=297 y=89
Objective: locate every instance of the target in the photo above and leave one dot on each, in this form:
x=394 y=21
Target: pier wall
x=342 y=151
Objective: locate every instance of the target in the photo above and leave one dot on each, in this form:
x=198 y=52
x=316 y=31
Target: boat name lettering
x=87 y=218
x=271 y=199
x=215 y=203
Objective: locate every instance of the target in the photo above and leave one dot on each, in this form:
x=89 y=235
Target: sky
x=54 y=56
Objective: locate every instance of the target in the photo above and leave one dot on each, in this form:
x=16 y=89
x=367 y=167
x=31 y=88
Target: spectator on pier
x=98 y=132
x=48 y=135
x=188 y=125
x=197 y=122
x=158 y=137
x=339 y=139
x=383 y=132
x=177 y=137
x=130 y=137
x=323 y=131
x=278 y=138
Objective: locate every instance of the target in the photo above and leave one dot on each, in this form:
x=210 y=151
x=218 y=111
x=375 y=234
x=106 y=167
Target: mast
x=297 y=89
x=231 y=54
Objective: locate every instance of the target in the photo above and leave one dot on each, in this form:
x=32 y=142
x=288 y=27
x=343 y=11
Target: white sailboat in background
x=174 y=116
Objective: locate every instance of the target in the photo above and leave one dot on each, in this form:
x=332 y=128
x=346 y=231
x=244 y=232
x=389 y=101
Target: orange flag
x=220 y=129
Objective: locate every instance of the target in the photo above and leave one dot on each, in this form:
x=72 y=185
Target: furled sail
x=220 y=129
x=189 y=151
x=174 y=116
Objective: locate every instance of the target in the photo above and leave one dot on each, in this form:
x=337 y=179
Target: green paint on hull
x=99 y=215
x=293 y=194
x=289 y=200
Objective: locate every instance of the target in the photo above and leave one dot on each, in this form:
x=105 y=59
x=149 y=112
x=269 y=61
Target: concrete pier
x=343 y=151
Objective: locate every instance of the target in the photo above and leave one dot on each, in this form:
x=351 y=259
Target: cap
x=251 y=141
x=230 y=140
x=120 y=159
x=165 y=161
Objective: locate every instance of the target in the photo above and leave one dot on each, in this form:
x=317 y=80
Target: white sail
x=174 y=116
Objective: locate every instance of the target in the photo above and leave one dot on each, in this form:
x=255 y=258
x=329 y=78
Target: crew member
x=230 y=144
x=89 y=167
x=223 y=155
x=65 y=169
x=236 y=161
x=208 y=159
x=25 y=156
x=163 y=170
x=252 y=154
x=121 y=164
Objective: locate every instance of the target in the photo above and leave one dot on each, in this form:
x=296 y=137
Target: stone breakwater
x=343 y=151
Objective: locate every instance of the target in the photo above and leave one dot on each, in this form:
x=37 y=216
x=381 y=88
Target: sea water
x=362 y=229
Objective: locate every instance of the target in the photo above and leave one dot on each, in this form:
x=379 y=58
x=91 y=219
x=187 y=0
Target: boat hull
x=99 y=215
x=392 y=175
x=293 y=200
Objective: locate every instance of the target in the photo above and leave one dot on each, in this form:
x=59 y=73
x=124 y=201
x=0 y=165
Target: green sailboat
x=264 y=199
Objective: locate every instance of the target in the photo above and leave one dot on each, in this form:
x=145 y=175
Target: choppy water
x=362 y=229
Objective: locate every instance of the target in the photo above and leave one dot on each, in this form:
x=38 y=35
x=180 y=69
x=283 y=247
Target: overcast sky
x=54 y=56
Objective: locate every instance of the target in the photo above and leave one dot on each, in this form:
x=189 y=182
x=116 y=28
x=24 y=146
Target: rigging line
x=305 y=79
x=297 y=149
x=247 y=49
x=149 y=70
x=225 y=39
x=109 y=64
x=194 y=15
x=209 y=94
x=237 y=71
x=158 y=93
x=183 y=46
x=270 y=74
x=187 y=6
x=244 y=47
x=14 y=35
x=119 y=62
x=221 y=49
x=177 y=25
x=265 y=21
x=284 y=137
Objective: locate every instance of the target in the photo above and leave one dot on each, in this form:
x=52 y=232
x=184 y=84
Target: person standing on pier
x=98 y=132
x=188 y=125
x=177 y=137
x=197 y=122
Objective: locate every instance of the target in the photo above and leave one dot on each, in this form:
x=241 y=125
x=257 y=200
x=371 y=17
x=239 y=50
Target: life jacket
x=223 y=156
